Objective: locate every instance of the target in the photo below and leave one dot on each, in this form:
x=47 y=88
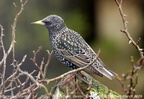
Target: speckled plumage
x=71 y=49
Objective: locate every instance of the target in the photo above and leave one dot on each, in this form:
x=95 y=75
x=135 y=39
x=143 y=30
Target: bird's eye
x=47 y=22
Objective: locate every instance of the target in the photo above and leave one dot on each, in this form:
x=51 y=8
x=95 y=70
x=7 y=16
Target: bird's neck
x=55 y=33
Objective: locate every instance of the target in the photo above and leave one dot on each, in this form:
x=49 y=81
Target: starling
x=71 y=49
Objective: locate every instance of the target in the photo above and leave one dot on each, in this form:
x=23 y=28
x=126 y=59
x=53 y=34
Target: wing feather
x=73 y=48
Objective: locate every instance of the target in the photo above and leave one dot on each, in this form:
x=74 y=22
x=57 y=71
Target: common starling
x=71 y=49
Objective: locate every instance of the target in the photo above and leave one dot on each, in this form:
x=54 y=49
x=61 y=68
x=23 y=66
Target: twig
x=130 y=75
x=12 y=45
x=1 y=40
x=4 y=62
x=48 y=61
x=13 y=32
x=131 y=41
x=79 y=89
x=40 y=69
x=35 y=53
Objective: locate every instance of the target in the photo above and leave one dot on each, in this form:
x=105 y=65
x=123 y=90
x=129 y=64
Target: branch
x=1 y=40
x=13 y=32
x=131 y=41
x=4 y=61
x=47 y=64
x=130 y=76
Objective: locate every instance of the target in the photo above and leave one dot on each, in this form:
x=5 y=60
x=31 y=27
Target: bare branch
x=131 y=41
x=13 y=34
x=1 y=39
x=39 y=68
x=48 y=61
x=35 y=53
x=130 y=76
x=4 y=61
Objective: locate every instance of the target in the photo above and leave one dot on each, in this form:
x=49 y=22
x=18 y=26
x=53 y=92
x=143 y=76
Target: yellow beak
x=38 y=22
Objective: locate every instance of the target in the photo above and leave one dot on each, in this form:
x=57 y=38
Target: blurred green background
x=98 y=21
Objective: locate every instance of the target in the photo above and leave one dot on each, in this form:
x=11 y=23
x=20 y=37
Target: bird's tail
x=101 y=68
x=109 y=74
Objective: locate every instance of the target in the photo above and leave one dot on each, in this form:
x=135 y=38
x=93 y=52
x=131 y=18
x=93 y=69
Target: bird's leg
x=81 y=74
x=67 y=79
x=71 y=76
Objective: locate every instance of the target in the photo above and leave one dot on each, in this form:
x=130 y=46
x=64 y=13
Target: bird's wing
x=73 y=47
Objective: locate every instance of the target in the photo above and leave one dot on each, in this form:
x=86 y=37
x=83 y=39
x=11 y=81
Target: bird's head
x=52 y=22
